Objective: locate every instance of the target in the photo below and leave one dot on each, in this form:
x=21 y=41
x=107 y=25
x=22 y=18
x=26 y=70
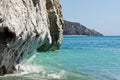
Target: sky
x=101 y=15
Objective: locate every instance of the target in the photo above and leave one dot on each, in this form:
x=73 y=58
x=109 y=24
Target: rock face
x=25 y=26
x=73 y=28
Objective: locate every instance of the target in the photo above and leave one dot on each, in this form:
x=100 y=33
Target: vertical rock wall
x=27 y=25
x=56 y=25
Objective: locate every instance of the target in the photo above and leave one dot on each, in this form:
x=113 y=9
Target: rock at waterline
x=25 y=26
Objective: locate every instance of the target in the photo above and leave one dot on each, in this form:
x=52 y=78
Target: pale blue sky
x=101 y=15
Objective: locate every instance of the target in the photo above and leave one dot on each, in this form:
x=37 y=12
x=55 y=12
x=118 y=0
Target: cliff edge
x=25 y=26
x=73 y=28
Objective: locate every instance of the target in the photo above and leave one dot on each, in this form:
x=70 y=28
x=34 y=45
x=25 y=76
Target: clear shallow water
x=80 y=58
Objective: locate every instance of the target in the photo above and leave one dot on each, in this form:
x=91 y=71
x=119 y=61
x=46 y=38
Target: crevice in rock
x=35 y=2
x=3 y=70
x=1 y=20
x=48 y=4
x=24 y=3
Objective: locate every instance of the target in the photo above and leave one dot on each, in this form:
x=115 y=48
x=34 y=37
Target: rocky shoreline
x=25 y=26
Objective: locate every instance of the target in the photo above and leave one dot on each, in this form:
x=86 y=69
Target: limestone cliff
x=73 y=28
x=27 y=25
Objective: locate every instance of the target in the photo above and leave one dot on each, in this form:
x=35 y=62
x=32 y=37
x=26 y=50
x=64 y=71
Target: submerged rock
x=27 y=25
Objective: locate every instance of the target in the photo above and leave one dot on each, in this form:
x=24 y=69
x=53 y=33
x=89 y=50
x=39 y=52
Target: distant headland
x=74 y=28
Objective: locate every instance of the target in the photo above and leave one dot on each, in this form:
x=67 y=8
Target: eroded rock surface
x=27 y=25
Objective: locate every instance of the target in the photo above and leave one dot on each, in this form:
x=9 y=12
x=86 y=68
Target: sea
x=80 y=58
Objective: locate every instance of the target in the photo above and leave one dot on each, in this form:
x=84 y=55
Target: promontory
x=75 y=28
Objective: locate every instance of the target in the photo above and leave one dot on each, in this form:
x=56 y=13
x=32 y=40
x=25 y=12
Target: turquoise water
x=80 y=58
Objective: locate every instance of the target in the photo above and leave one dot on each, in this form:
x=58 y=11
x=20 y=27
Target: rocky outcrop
x=25 y=26
x=73 y=28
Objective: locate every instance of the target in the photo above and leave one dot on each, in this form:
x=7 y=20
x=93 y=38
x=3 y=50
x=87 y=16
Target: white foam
x=31 y=69
x=59 y=75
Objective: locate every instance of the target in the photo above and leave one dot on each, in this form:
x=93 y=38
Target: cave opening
x=5 y=33
x=6 y=36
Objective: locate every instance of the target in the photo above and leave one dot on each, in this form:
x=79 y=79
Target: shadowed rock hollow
x=27 y=25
